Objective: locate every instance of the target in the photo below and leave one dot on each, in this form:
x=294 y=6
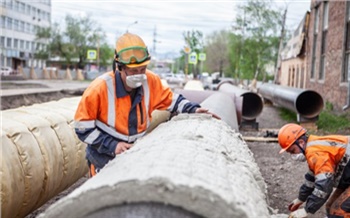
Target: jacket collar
x=120 y=89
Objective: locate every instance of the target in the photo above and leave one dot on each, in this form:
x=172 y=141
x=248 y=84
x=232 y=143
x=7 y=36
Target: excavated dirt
x=283 y=176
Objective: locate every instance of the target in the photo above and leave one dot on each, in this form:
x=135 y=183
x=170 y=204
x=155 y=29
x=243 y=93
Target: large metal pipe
x=222 y=105
x=199 y=96
x=306 y=103
x=252 y=102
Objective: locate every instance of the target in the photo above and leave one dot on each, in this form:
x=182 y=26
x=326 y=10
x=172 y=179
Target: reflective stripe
x=319 y=193
x=92 y=136
x=182 y=105
x=173 y=102
x=111 y=131
x=146 y=91
x=311 y=173
x=110 y=128
x=323 y=176
x=326 y=143
x=111 y=99
x=309 y=184
x=84 y=124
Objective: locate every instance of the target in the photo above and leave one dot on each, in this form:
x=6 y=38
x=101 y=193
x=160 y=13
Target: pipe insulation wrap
x=42 y=155
x=193 y=162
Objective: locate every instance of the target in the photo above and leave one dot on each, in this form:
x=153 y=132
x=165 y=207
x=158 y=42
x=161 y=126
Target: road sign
x=192 y=58
x=91 y=54
x=202 y=56
x=187 y=49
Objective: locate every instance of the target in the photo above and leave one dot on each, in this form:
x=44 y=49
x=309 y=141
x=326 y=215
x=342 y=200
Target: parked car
x=7 y=71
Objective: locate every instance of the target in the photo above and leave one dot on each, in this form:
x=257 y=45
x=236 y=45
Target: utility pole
x=279 y=56
x=98 y=53
x=154 y=40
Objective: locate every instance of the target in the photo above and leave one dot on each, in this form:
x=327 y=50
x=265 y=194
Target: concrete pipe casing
x=193 y=162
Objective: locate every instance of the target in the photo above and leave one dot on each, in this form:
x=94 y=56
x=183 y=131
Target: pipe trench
x=306 y=103
x=190 y=166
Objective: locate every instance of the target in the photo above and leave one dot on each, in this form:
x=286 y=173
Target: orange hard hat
x=288 y=134
x=132 y=51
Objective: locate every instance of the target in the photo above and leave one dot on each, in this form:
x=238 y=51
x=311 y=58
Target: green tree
x=80 y=35
x=106 y=55
x=217 y=51
x=193 y=39
x=258 y=25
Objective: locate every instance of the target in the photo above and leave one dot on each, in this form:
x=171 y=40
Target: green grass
x=328 y=121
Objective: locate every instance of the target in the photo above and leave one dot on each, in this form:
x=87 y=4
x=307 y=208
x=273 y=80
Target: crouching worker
x=328 y=161
x=116 y=108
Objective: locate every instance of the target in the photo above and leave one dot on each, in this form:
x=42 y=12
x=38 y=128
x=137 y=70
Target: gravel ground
x=283 y=176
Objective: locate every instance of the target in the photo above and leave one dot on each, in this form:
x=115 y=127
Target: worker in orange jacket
x=329 y=166
x=116 y=108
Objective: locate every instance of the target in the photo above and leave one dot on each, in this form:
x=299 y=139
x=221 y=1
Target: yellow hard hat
x=132 y=51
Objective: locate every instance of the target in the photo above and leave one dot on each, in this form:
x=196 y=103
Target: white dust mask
x=298 y=157
x=135 y=81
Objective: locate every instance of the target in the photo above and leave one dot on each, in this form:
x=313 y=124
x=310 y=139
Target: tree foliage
x=258 y=26
x=194 y=40
x=73 y=42
x=218 y=52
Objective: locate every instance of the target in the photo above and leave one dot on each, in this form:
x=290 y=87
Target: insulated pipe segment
x=194 y=162
x=222 y=105
x=199 y=96
x=252 y=102
x=306 y=103
x=42 y=155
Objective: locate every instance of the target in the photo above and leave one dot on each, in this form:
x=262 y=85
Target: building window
x=15 y=43
x=3 y=21
x=346 y=72
x=9 y=42
x=9 y=23
x=2 y=42
x=313 y=61
x=21 y=44
x=27 y=28
x=21 y=26
x=22 y=7
x=27 y=45
x=324 y=41
x=28 y=9
x=15 y=25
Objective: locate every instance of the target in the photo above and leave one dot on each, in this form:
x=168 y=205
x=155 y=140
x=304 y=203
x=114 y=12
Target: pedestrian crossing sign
x=91 y=54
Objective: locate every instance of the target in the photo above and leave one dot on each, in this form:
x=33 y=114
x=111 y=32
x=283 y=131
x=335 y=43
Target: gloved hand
x=295 y=204
x=301 y=213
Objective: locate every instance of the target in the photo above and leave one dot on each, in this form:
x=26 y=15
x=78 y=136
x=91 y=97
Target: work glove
x=295 y=204
x=301 y=213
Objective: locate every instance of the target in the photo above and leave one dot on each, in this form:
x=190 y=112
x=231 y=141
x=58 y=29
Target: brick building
x=328 y=51
x=293 y=57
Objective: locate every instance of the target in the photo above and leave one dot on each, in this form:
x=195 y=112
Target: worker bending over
x=328 y=161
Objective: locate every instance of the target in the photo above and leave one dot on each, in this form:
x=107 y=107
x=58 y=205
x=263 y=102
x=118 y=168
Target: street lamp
x=127 y=28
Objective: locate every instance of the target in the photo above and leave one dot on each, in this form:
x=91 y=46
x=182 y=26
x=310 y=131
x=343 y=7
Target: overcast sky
x=167 y=20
